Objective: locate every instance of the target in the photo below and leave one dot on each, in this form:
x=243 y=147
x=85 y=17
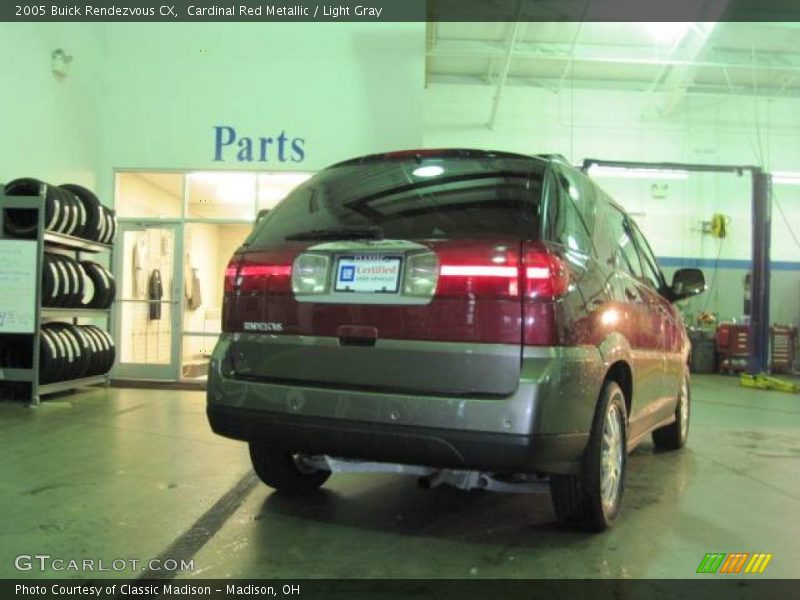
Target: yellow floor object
x=763 y=381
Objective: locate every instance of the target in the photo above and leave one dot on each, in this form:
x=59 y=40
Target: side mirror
x=262 y=214
x=686 y=283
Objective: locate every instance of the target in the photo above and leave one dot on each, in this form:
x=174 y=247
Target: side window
x=652 y=273
x=549 y=207
x=614 y=242
x=573 y=219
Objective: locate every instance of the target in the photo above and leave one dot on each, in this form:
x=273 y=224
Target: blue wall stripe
x=723 y=263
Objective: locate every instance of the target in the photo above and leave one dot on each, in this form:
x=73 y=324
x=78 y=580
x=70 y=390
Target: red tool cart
x=783 y=339
x=732 y=347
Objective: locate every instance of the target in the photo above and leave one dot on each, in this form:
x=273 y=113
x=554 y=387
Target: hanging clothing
x=155 y=291
x=138 y=270
x=194 y=295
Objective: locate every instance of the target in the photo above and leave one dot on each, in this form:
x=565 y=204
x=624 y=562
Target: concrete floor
x=126 y=473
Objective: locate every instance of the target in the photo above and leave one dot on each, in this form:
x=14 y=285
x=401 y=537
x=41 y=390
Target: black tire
x=113 y=236
x=63 y=284
x=111 y=353
x=279 y=469
x=16 y=351
x=48 y=358
x=85 y=349
x=70 y=357
x=103 y=284
x=107 y=353
x=24 y=223
x=93 y=272
x=75 y=356
x=89 y=290
x=75 y=281
x=110 y=287
x=72 y=205
x=578 y=499
x=107 y=229
x=94 y=366
x=675 y=435
x=92 y=208
x=49 y=278
x=57 y=370
x=79 y=212
x=103 y=226
x=97 y=361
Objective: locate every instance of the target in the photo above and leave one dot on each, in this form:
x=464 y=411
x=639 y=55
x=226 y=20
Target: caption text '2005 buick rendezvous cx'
x=482 y=319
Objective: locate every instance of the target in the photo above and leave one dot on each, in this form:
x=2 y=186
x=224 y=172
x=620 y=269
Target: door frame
x=142 y=371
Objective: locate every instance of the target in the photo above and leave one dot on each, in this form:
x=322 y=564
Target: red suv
x=452 y=311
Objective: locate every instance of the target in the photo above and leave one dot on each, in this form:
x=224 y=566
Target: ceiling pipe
x=563 y=57
x=504 y=73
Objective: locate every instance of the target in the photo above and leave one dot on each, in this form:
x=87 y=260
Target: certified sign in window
x=368 y=273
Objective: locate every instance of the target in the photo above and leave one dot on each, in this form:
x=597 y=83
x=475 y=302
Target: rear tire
x=675 y=435
x=281 y=469
x=593 y=498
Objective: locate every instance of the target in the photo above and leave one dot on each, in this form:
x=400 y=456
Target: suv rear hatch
x=397 y=273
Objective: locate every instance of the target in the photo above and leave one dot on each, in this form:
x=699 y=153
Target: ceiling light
x=428 y=171
x=786 y=177
x=629 y=173
x=667 y=33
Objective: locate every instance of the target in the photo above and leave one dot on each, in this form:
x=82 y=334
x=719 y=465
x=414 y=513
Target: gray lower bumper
x=555 y=399
x=444 y=448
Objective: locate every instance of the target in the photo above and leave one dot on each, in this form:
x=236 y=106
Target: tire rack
x=48 y=239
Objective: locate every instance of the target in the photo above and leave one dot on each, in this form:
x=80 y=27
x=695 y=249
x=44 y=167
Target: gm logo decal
x=734 y=563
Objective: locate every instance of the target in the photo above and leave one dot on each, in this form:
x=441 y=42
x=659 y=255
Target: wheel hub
x=611 y=458
x=684 y=410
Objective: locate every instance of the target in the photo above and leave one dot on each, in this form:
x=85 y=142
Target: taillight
x=310 y=274
x=254 y=277
x=231 y=271
x=480 y=271
x=545 y=275
x=500 y=274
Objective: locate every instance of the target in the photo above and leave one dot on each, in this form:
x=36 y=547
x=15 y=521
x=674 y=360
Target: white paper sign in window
x=17 y=286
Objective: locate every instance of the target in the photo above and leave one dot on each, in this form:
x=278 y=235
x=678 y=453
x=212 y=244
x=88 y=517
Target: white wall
x=345 y=89
x=148 y=96
x=50 y=128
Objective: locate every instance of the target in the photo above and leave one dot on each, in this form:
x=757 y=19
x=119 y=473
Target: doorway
x=148 y=300
x=186 y=226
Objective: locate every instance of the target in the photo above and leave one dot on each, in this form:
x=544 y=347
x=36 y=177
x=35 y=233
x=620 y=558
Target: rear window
x=429 y=198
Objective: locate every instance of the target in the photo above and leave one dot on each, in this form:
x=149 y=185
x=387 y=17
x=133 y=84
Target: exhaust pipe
x=432 y=480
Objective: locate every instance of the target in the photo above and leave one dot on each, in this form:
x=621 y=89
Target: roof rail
x=555 y=157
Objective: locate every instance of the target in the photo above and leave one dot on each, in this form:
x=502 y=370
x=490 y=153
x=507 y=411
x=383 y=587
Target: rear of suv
x=458 y=310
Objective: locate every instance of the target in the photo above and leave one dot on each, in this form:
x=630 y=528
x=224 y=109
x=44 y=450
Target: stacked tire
x=69 y=209
x=73 y=352
x=68 y=283
x=16 y=351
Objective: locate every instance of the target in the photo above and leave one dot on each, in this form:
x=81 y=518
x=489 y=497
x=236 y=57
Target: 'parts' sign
x=229 y=145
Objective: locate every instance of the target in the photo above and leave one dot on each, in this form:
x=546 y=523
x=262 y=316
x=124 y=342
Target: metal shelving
x=75 y=313
x=51 y=240
x=70 y=242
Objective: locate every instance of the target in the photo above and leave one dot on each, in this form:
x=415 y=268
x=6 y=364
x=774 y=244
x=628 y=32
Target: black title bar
x=399 y=10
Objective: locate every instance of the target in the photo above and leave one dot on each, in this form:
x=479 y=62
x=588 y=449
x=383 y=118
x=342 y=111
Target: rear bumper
x=541 y=427
x=497 y=452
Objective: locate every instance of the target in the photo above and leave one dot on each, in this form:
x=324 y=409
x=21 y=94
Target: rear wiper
x=364 y=233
